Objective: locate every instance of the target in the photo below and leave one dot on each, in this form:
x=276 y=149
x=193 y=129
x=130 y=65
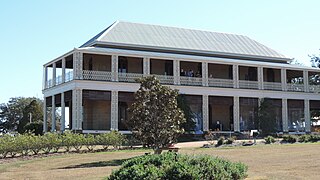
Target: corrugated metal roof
x=146 y=35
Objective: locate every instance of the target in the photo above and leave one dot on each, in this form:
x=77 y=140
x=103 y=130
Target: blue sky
x=34 y=32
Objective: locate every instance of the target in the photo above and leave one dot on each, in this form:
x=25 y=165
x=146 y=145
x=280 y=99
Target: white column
x=176 y=71
x=53 y=115
x=205 y=112
x=306 y=80
x=284 y=115
x=146 y=66
x=45 y=115
x=235 y=76
x=77 y=109
x=114 y=68
x=284 y=79
x=63 y=113
x=204 y=74
x=307 y=115
x=260 y=77
x=54 y=74
x=77 y=65
x=236 y=114
x=45 y=77
x=114 y=110
x=63 y=70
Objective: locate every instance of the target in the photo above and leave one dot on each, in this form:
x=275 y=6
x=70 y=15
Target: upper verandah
x=137 y=36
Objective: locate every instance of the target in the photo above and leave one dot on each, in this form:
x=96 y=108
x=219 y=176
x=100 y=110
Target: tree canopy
x=315 y=60
x=266 y=118
x=155 y=117
x=17 y=110
x=189 y=125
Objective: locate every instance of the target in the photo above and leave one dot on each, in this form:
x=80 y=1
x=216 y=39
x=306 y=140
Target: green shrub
x=104 y=140
x=290 y=138
x=304 y=138
x=314 y=138
x=23 y=144
x=52 y=142
x=34 y=127
x=220 y=141
x=178 y=166
x=6 y=145
x=269 y=140
x=90 y=142
x=116 y=139
x=229 y=140
x=78 y=140
x=67 y=141
x=11 y=145
x=36 y=143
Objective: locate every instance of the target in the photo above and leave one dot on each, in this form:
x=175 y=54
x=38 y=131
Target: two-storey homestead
x=222 y=76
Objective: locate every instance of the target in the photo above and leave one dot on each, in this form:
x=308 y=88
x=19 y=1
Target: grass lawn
x=296 y=161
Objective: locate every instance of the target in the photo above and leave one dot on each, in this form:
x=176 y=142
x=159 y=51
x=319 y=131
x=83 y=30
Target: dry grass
x=292 y=161
x=297 y=161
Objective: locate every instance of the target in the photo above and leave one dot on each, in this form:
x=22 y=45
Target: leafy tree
x=12 y=113
x=155 y=117
x=189 y=124
x=35 y=127
x=266 y=118
x=33 y=111
x=315 y=60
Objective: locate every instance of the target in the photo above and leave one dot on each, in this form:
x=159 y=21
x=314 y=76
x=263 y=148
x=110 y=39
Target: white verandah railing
x=295 y=87
x=248 y=84
x=96 y=75
x=129 y=77
x=214 y=82
x=272 y=86
x=164 y=79
x=314 y=88
x=192 y=81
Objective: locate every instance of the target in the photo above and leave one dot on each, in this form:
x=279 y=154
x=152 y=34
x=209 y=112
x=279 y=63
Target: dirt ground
x=296 y=161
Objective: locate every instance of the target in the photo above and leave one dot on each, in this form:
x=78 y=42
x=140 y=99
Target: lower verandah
x=97 y=112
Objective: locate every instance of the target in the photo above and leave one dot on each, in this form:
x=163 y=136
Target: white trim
x=103 y=131
x=60 y=57
x=105 y=32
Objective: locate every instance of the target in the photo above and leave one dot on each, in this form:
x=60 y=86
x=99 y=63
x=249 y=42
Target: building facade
x=223 y=78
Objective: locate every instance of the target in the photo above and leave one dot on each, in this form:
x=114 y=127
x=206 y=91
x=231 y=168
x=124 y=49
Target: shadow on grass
x=115 y=162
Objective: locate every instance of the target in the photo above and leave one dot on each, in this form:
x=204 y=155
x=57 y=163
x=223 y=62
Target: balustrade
x=272 y=86
x=248 y=84
x=226 y=83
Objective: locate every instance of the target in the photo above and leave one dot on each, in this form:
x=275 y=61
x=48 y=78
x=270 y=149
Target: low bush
x=90 y=142
x=314 y=138
x=220 y=141
x=34 y=127
x=290 y=138
x=178 y=166
x=37 y=144
x=104 y=140
x=230 y=140
x=116 y=139
x=51 y=142
x=269 y=140
x=28 y=144
x=304 y=138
